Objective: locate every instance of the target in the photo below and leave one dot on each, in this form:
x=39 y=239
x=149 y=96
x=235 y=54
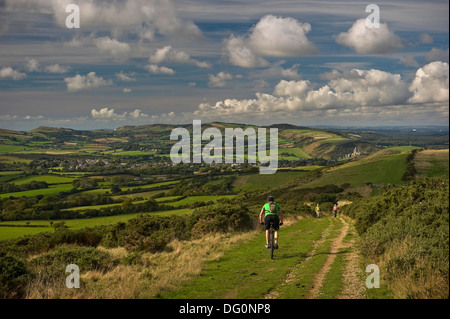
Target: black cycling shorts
x=274 y=219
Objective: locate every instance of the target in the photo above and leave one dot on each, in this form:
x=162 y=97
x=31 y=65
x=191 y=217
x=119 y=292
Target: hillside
x=194 y=234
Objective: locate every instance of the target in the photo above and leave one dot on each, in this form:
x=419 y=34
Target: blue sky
x=135 y=62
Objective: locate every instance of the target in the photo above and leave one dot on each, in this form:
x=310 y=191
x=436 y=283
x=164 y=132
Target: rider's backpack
x=273 y=207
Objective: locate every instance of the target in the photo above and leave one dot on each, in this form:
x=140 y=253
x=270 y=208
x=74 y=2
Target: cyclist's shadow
x=286 y=255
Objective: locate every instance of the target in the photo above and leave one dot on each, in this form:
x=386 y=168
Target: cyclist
x=335 y=209
x=271 y=215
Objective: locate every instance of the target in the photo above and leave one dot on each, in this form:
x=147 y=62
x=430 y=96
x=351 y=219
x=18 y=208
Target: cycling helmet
x=270 y=199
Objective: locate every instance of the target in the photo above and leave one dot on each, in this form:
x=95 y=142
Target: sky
x=307 y=63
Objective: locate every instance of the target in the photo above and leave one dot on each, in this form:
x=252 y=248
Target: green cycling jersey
x=267 y=211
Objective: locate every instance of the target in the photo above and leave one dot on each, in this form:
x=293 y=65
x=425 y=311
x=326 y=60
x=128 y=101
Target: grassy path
x=311 y=263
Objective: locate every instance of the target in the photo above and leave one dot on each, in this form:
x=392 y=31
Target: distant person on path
x=272 y=213
x=335 y=207
x=318 y=210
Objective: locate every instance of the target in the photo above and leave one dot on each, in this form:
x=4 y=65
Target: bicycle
x=271 y=239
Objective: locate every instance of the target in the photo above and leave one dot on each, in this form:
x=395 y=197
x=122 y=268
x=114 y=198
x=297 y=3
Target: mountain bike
x=271 y=240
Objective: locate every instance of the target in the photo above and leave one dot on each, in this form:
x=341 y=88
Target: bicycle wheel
x=271 y=242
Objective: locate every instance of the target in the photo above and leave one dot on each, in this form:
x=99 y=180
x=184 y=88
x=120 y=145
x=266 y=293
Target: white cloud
x=126 y=77
x=169 y=54
x=10 y=73
x=281 y=37
x=31 y=117
x=277 y=71
x=137 y=114
x=431 y=83
x=107 y=114
x=271 y=37
x=153 y=68
x=82 y=82
x=219 y=80
x=120 y=50
x=32 y=65
x=437 y=55
x=56 y=68
x=150 y=15
x=409 y=60
x=240 y=54
x=425 y=38
x=369 y=87
x=355 y=90
x=292 y=88
x=366 y=40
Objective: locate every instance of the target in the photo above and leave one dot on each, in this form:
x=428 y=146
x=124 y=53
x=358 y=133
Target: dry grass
x=421 y=281
x=156 y=273
x=428 y=160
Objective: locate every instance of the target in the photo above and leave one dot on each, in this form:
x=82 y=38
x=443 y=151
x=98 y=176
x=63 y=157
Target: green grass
x=149 y=186
x=432 y=163
x=260 y=181
x=167 y=199
x=333 y=283
x=297 y=151
x=5 y=148
x=193 y=199
x=145 y=195
x=9 y=177
x=306 y=271
x=49 y=179
x=98 y=206
x=52 y=190
x=246 y=270
x=130 y=153
x=16 y=232
x=384 y=169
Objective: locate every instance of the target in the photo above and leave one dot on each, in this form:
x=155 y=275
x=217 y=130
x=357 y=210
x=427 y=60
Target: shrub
x=13 y=276
x=222 y=217
x=134 y=258
x=53 y=264
x=406 y=231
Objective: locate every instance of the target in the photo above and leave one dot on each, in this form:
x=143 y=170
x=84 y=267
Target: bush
x=223 y=217
x=13 y=276
x=53 y=264
x=406 y=231
x=323 y=198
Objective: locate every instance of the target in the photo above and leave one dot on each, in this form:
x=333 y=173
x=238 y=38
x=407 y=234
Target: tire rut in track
x=290 y=277
x=336 y=244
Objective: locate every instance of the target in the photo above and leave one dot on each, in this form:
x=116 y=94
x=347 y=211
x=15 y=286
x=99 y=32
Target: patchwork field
x=432 y=163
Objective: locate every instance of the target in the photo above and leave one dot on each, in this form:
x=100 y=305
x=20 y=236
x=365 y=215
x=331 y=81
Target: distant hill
x=48 y=129
x=294 y=142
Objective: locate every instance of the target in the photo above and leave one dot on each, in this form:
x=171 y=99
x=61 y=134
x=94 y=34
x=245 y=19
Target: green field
x=432 y=163
x=269 y=181
x=193 y=199
x=385 y=168
x=52 y=190
x=16 y=232
x=297 y=151
x=49 y=179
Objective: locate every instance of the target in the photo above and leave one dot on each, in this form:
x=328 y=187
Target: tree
x=115 y=189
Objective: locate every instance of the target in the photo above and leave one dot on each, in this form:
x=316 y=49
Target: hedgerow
x=406 y=229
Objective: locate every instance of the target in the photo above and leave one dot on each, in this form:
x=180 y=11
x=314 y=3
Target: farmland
x=117 y=194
